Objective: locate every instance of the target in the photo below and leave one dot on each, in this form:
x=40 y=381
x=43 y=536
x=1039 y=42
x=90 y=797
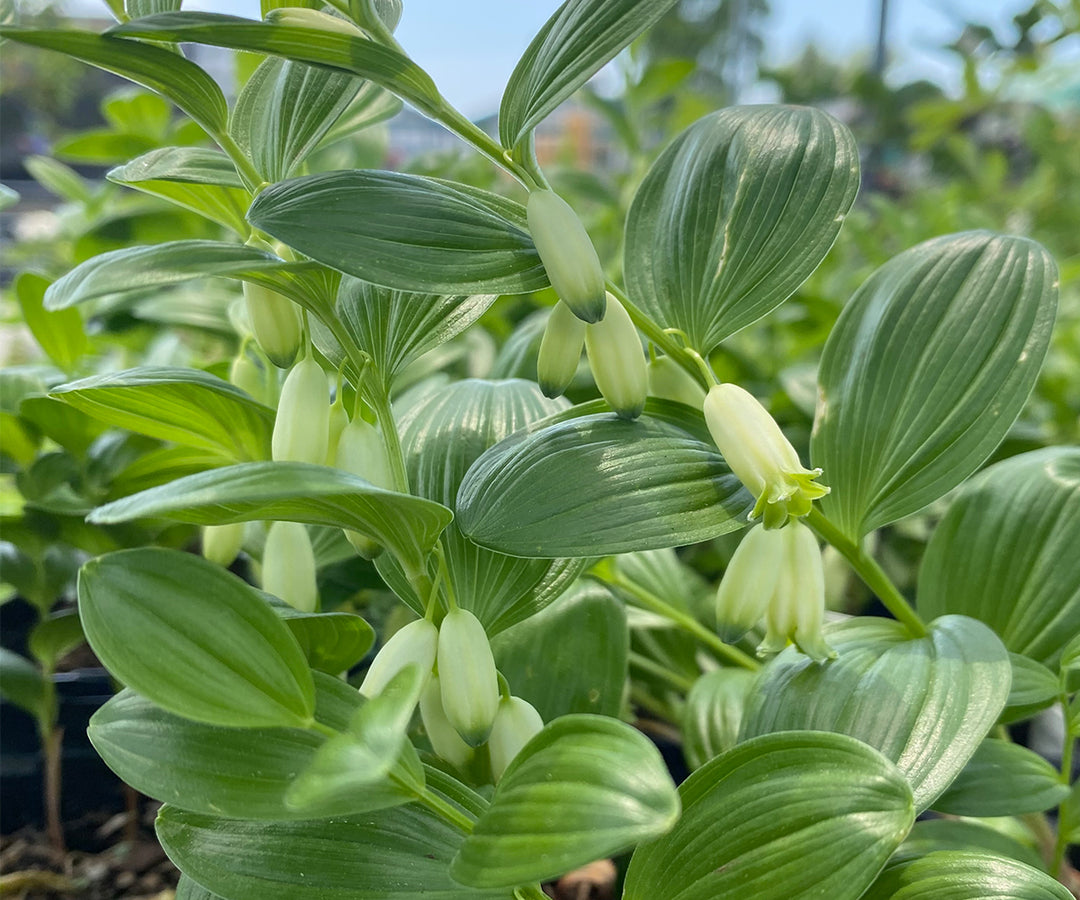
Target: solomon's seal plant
x=524 y=544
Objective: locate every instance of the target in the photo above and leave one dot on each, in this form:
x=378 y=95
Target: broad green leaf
x=161 y=70
x=54 y=636
x=573 y=45
x=788 y=816
x=59 y=179
x=416 y=233
x=735 y=214
x=929 y=835
x=161 y=466
x=332 y=642
x=294 y=492
x=713 y=713
x=138 y=8
x=137 y=112
x=1003 y=779
x=570 y=657
x=194 y=639
x=393 y=854
x=1034 y=687
x=284 y=111
x=22 y=683
x=959 y=875
x=208 y=768
x=60 y=334
x=925 y=703
x=442 y=435
x=202 y=181
x=1005 y=553
x=596 y=485
x=186 y=889
x=565 y=801
x=101 y=147
x=331 y=49
x=187 y=406
x=396 y=327
x=926 y=370
x=370 y=106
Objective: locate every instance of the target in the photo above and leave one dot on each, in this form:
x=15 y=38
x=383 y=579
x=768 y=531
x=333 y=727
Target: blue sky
x=471 y=46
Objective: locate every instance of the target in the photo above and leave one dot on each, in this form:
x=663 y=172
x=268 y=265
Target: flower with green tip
x=560 y=351
x=618 y=361
x=516 y=723
x=414 y=644
x=302 y=426
x=470 y=683
x=288 y=568
x=761 y=457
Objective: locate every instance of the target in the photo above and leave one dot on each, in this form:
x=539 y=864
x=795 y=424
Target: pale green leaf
x=60 y=334
x=960 y=875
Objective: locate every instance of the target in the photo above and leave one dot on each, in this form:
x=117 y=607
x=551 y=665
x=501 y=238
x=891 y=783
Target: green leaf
x=161 y=70
x=332 y=642
x=293 y=492
x=396 y=327
x=574 y=771
x=713 y=713
x=570 y=657
x=203 y=181
x=208 y=768
x=186 y=889
x=596 y=485
x=8 y=197
x=735 y=214
x=393 y=854
x=1003 y=779
x=416 y=234
x=331 y=49
x=925 y=703
x=928 y=835
x=1005 y=553
x=573 y=45
x=926 y=370
x=958 y=875
x=54 y=636
x=59 y=179
x=22 y=683
x=60 y=334
x=285 y=110
x=1034 y=688
x=136 y=112
x=100 y=147
x=784 y=817
x=138 y=8
x=187 y=406
x=194 y=639
x=370 y=106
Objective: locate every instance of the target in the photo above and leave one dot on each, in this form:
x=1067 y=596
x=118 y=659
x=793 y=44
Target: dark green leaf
x=293 y=492
x=194 y=639
x=187 y=889
x=415 y=234
x=332 y=642
x=571 y=656
x=958 y=875
x=783 y=817
x=713 y=714
x=22 y=683
x=138 y=8
x=735 y=215
x=596 y=485
x=393 y=854
x=1003 y=779
x=284 y=111
x=172 y=76
x=1005 y=553
x=573 y=45
x=1034 y=687
x=183 y=405
x=926 y=370
x=574 y=771
x=925 y=703
x=928 y=835
x=55 y=636
x=60 y=334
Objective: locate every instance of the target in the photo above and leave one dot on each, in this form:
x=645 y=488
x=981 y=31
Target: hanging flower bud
x=288 y=567
x=796 y=610
x=470 y=684
x=670 y=381
x=302 y=426
x=617 y=360
x=250 y=377
x=275 y=322
x=749 y=582
x=572 y=266
x=560 y=351
x=445 y=740
x=361 y=451
x=338 y=420
x=760 y=456
x=414 y=644
x=222 y=543
x=300 y=17
x=516 y=723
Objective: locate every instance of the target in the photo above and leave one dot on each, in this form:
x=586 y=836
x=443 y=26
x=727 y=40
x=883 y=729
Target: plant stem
x=677 y=681
x=1063 y=827
x=484 y=143
x=869 y=571
x=445 y=810
x=649 y=703
x=322 y=729
x=380 y=402
x=651 y=602
x=239 y=159
x=531 y=892
x=51 y=747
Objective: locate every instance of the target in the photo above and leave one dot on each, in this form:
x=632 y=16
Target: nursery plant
x=487 y=747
